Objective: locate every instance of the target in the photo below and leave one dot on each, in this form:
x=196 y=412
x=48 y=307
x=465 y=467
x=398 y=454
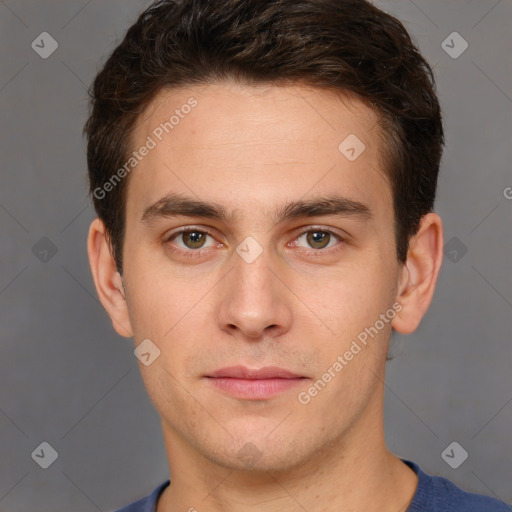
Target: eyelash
x=191 y=253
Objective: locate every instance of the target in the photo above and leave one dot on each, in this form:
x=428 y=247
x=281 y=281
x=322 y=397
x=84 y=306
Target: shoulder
x=438 y=494
x=147 y=504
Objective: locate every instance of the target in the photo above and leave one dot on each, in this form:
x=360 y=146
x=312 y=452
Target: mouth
x=254 y=384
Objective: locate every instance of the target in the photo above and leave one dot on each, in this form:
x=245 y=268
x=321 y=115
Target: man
x=264 y=175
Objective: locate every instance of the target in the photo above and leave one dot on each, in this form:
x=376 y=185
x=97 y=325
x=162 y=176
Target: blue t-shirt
x=433 y=494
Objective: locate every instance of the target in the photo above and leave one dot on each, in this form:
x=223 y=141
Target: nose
x=254 y=300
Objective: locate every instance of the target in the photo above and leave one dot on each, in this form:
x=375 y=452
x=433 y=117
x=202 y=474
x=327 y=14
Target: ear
x=419 y=274
x=107 y=279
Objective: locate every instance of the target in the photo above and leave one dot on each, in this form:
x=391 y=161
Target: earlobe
x=107 y=280
x=419 y=274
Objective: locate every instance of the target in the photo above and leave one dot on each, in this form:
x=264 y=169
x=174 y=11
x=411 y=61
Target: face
x=290 y=258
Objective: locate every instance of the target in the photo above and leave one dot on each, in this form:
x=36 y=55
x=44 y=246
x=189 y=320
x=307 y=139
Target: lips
x=260 y=384
x=241 y=372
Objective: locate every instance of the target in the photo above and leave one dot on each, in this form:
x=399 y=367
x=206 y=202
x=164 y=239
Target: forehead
x=256 y=143
x=220 y=108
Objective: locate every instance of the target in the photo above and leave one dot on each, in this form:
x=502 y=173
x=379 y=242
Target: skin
x=298 y=305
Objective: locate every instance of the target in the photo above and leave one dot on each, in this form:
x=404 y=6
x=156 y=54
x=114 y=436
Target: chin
x=259 y=456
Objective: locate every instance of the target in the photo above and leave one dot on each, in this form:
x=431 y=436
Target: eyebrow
x=173 y=205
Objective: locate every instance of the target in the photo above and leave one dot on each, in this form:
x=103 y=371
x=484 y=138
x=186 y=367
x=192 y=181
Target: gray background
x=69 y=380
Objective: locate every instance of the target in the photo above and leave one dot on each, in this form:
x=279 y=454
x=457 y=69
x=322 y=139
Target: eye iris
x=314 y=237
x=196 y=237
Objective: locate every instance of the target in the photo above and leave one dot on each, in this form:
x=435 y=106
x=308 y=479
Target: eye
x=194 y=241
x=191 y=238
x=320 y=239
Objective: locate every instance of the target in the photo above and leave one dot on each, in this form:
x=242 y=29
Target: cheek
x=353 y=298
x=154 y=306
x=161 y=288
x=155 y=300
x=166 y=390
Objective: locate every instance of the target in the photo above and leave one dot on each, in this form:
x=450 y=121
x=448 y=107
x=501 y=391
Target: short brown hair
x=341 y=45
